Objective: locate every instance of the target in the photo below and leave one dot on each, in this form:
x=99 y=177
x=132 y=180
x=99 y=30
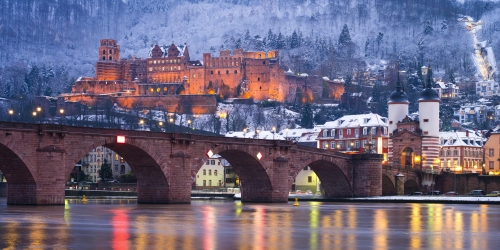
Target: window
x=365 y=130
x=211 y=72
x=356 y=132
x=218 y=72
x=356 y=144
x=204 y=183
x=491 y=152
x=208 y=162
x=348 y=131
x=455 y=152
x=236 y=71
x=332 y=144
x=325 y=145
x=213 y=162
x=426 y=120
x=324 y=133
x=385 y=130
x=258 y=79
x=227 y=72
x=210 y=172
x=309 y=179
x=204 y=172
x=215 y=172
x=209 y=182
x=374 y=131
x=491 y=164
x=340 y=132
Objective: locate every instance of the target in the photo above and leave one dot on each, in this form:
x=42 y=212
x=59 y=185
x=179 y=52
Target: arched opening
x=20 y=182
x=334 y=183
x=144 y=176
x=388 y=187
x=407 y=157
x=306 y=181
x=411 y=186
x=254 y=182
x=216 y=174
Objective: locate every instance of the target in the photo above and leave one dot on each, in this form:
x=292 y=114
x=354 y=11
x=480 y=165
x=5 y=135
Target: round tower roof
x=429 y=94
x=398 y=96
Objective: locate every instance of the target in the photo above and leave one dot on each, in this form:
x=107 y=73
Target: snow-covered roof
x=353 y=121
x=266 y=135
x=456 y=138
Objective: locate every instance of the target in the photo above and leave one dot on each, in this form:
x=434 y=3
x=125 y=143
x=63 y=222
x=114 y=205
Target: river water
x=124 y=224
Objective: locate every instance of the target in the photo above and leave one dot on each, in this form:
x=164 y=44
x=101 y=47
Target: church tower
x=428 y=116
x=398 y=109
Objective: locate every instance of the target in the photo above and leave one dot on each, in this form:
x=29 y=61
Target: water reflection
x=229 y=225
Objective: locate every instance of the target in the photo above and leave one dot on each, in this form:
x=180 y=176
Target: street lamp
x=34 y=116
x=286 y=133
x=257 y=131
x=273 y=130
x=244 y=132
x=161 y=125
x=141 y=123
x=189 y=123
x=11 y=113
x=61 y=113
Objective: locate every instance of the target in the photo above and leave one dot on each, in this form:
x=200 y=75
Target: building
x=447 y=91
x=492 y=154
x=487 y=88
x=414 y=142
x=170 y=73
x=216 y=172
x=461 y=151
x=91 y=163
x=351 y=133
x=475 y=113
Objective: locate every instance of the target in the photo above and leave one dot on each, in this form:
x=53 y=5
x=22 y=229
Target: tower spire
x=429 y=77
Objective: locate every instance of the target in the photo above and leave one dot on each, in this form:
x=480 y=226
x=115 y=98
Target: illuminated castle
x=169 y=71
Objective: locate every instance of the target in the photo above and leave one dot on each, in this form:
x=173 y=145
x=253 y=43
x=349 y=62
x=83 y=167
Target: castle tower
x=108 y=65
x=397 y=110
x=428 y=116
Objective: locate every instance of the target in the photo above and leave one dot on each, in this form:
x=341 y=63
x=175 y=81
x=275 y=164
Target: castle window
x=236 y=71
x=211 y=72
x=104 y=52
x=104 y=58
x=194 y=75
x=260 y=87
x=110 y=52
x=154 y=62
x=150 y=68
x=258 y=79
x=110 y=58
x=218 y=72
x=227 y=72
x=151 y=90
x=158 y=90
x=165 y=89
x=264 y=62
x=232 y=63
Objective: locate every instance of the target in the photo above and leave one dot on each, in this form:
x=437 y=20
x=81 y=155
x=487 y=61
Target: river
x=211 y=224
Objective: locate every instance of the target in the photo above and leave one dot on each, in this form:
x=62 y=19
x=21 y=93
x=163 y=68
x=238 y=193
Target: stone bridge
x=36 y=160
x=399 y=180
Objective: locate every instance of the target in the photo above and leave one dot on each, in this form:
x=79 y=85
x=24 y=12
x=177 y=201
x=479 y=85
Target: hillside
x=62 y=36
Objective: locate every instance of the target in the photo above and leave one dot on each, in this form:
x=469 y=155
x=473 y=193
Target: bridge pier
x=367 y=173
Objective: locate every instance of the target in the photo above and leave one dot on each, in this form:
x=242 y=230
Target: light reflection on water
x=123 y=224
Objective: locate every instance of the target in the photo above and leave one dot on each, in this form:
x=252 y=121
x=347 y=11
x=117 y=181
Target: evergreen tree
x=237 y=43
x=7 y=91
x=306 y=120
x=294 y=40
x=280 y=41
x=446 y=117
x=428 y=27
x=106 y=172
x=247 y=35
x=345 y=37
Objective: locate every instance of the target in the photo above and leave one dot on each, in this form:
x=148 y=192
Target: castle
x=169 y=72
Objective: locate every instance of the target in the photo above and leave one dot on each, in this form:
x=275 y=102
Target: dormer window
x=325 y=133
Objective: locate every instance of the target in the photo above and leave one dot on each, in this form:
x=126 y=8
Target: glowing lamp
x=259 y=155
x=210 y=153
x=120 y=139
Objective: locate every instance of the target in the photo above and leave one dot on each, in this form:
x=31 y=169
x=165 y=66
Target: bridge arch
x=388 y=185
x=411 y=185
x=254 y=179
x=19 y=177
x=149 y=166
x=334 y=182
